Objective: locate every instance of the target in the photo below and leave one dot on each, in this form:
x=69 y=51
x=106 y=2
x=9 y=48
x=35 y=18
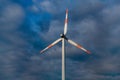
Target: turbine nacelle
x=63 y=36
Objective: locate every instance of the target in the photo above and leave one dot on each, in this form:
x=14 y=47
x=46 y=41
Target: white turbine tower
x=63 y=38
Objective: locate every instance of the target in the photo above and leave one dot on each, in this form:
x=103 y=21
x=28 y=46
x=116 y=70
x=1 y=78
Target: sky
x=28 y=26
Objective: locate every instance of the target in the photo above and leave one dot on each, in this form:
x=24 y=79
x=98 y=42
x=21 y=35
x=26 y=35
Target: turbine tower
x=63 y=38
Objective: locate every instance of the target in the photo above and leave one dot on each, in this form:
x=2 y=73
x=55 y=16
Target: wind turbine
x=63 y=38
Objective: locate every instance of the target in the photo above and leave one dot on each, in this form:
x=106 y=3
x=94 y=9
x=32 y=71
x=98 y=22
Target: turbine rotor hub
x=63 y=36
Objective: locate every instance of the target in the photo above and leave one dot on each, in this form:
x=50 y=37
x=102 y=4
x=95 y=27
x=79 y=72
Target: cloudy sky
x=27 y=26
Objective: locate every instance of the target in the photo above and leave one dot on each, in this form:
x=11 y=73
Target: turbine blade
x=78 y=46
x=66 y=22
x=51 y=45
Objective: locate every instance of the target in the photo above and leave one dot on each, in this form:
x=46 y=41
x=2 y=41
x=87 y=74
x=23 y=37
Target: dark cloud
x=12 y=44
x=93 y=24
